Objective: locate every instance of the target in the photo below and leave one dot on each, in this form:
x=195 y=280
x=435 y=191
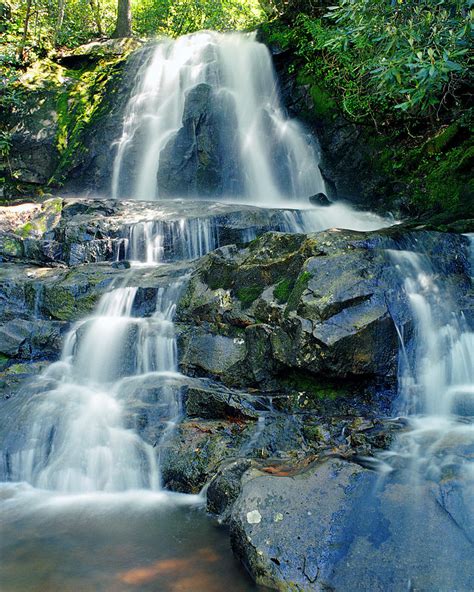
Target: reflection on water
x=133 y=541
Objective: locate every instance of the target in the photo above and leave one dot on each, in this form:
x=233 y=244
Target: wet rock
x=320 y=199
x=203 y=157
x=225 y=488
x=338 y=526
x=330 y=316
x=21 y=339
x=217 y=402
x=209 y=354
x=195 y=452
x=328 y=304
x=121 y=264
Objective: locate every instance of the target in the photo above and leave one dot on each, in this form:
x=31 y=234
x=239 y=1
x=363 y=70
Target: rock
x=121 y=265
x=326 y=304
x=217 y=402
x=96 y=50
x=28 y=340
x=225 y=488
x=331 y=528
x=320 y=199
x=216 y=355
x=202 y=159
x=74 y=231
x=195 y=452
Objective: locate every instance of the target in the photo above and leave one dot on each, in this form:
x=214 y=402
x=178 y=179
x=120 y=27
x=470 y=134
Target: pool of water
x=138 y=541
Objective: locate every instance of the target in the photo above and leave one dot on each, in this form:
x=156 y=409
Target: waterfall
x=436 y=378
x=80 y=434
x=205 y=118
x=153 y=241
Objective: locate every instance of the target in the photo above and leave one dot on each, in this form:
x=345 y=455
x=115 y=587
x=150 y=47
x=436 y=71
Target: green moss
x=249 y=294
x=64 y=305
x=300 y=286
x=25 y=230
x=324 y=104
x=219 y=276
x=307 y=391
x=305 y=383
x=11 y=247
x=313 y=433
x=442 y=140
x=283 y=290
x=81 y=105
x=18 y=369
x=3 y=361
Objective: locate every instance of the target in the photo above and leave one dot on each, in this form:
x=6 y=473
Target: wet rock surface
x=73 y=231
x=339 y=526
x=322 y=304
x=288 y=345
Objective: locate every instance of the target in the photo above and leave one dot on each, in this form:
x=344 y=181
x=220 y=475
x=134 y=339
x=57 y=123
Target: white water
x=436 y=381
x=80 y=439
x=183 y=239
x=240 y=70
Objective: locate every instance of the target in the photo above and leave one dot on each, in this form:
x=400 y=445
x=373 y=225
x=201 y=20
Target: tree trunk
x=123 y=27
x=95 y=7
x=59 y=20
x=21 y=49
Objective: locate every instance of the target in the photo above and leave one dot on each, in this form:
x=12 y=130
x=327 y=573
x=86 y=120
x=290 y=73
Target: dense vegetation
x=400 y=69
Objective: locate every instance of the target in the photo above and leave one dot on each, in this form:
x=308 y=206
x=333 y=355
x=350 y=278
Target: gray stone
x=333 y=528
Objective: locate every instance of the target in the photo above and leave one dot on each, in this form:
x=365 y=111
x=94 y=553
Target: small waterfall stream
x=436 y=381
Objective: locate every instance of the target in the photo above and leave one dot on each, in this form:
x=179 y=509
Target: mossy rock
x=249 y=294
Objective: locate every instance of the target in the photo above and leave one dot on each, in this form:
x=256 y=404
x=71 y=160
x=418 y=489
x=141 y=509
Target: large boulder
x=338 y=526
x=328 y=304
x=313 y=304
x=203 y=158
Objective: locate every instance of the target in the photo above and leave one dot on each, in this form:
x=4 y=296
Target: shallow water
x=122 y=542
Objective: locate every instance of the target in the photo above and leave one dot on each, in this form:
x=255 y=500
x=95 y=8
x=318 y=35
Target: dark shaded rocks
x=203 y=158
x=29 y=340
x=75 y=231
x=225 y=488
x=326 y=305
x=209 y=402
x=330 y=316
x=195 y=451
x=320 y=199
x=210 y=354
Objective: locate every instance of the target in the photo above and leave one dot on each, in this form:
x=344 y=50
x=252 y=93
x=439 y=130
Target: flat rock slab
x=342 y=527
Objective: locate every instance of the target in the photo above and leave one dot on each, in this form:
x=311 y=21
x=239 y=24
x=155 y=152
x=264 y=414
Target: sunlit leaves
x=407 y=55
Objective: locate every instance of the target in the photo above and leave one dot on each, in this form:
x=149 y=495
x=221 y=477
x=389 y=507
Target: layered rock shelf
x=288 y=346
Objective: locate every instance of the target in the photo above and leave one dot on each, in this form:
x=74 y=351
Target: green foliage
x=5 y=143
x=54 y=24
x=378 y=56
x=180 y=17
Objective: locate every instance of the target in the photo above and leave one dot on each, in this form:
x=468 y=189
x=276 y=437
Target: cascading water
x=436 y=378
x=229 y=79
x=79 y=439
x=152 y=241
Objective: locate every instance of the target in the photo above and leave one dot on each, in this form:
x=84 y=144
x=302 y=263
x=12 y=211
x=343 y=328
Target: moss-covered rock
x=334 y=320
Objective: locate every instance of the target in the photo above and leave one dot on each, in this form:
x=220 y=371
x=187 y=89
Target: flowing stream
x=82 y=476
